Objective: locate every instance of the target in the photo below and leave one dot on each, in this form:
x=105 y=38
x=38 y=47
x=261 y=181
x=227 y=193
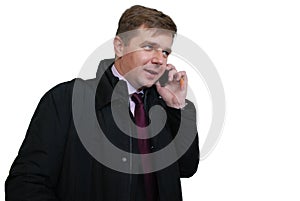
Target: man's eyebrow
x=150 y=43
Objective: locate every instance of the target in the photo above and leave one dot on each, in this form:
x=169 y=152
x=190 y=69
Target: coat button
x=124 y=159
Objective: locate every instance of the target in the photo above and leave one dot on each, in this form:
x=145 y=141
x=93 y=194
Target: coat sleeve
x=184 y=122
x=34 y=173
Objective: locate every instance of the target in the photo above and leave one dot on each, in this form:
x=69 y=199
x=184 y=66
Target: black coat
x=52 y=163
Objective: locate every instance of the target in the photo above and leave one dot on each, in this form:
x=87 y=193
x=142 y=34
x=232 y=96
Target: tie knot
x=137 y=98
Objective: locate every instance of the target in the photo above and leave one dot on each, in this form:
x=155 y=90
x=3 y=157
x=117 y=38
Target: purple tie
x=144 y=147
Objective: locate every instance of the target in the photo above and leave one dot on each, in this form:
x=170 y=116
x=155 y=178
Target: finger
x=158 y=86
x=182 y=79
x=170 y=67
x=172 y=70
x=165 y=94
x=179 y=75
x=172 y=74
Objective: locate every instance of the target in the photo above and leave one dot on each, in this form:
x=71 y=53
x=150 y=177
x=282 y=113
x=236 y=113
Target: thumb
x=160 y=89
x=158 y=86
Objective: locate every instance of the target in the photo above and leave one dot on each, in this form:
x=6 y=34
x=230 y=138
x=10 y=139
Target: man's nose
x=158 y=57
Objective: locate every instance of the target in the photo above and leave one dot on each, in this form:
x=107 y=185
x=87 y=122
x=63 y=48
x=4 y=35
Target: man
x=56 y=162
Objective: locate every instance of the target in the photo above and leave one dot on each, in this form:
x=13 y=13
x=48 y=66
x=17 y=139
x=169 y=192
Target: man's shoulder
x=63 y=86
x=66 y=88
x=59 y=95
x=60 y=90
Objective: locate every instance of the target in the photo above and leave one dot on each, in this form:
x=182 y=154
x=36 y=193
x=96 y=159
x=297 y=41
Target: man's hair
x=137 y=15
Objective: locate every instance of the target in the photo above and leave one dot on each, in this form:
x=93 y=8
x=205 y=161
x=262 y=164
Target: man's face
x=143 y=60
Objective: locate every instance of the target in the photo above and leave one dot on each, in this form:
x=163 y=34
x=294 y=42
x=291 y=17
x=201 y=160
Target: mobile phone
x=163 y=80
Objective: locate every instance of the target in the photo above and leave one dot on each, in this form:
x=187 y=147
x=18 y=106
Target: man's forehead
x=154 y=32
x=160 y=37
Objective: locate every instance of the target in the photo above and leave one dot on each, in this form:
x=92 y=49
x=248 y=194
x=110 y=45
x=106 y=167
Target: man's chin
x=148 y=85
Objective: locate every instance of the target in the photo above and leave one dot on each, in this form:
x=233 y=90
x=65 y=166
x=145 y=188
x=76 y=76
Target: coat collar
x=107 y=82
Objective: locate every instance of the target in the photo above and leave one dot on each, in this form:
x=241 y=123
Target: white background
x=254 y=45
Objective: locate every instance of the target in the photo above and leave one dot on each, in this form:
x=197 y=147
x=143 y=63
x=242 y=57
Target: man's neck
x=117 y=74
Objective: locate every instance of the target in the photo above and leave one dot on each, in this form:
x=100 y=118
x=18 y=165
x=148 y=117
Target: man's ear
x=118 y=46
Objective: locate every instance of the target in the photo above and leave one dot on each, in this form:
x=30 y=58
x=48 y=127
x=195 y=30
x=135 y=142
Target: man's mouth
x=151 y=72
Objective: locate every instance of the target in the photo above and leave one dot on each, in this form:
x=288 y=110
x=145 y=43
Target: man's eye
x=166 y=53
x=148 y=47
